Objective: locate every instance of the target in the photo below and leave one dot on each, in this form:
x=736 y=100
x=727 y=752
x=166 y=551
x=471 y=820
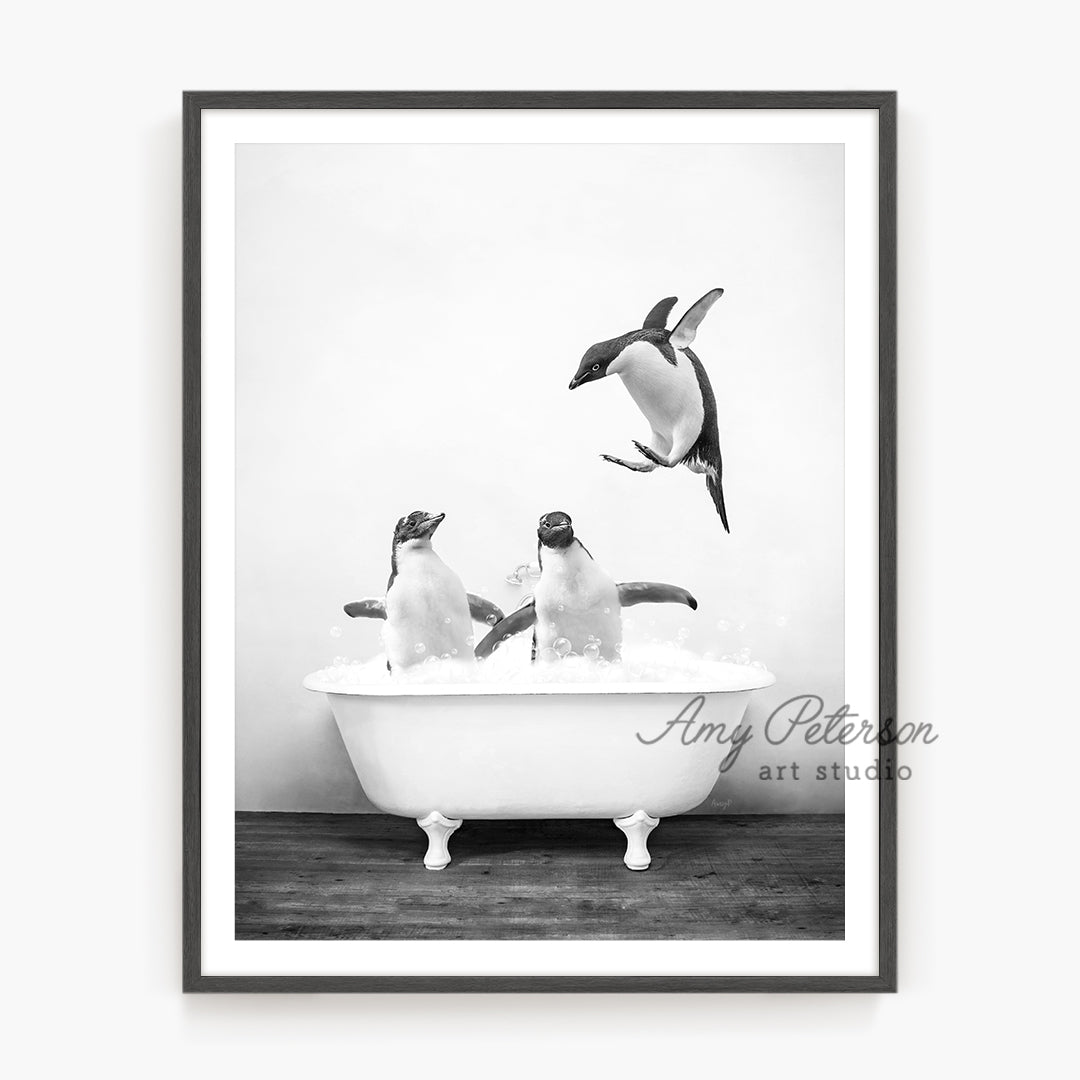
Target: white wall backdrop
x=408 y=319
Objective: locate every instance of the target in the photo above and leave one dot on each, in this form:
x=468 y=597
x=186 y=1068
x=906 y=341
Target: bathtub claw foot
x=637 y=828
x=439 y=830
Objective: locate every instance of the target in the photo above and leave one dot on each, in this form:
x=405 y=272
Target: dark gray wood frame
x=884 y=102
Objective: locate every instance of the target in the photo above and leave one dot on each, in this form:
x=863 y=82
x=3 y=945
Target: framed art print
x=540 y=586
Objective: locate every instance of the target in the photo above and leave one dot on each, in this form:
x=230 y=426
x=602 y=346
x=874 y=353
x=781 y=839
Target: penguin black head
x=418 y=525
x=556 y=530
x=598 y=359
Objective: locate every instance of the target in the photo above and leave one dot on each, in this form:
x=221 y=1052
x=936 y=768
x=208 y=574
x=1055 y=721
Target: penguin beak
x=546 y=532
x=586 y=376
x=432 y=522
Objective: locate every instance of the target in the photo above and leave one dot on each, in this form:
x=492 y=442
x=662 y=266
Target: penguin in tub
x=577 y=606
x=426 y=608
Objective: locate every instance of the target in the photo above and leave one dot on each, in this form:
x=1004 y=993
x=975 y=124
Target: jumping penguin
x=575 y=599
x=427 y=610
x=670 y=386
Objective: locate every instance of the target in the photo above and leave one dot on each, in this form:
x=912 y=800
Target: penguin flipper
x=658 y=317
x=366 y=609
x=686 y=328
x=513 y=624
x=483 y=610
x=653 y=592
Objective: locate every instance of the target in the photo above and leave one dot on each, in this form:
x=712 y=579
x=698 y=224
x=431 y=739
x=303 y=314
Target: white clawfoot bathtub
x=443 y=754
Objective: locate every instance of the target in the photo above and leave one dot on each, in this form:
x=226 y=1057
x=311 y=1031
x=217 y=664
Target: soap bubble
x=618 y=649
x=741 y=627
x=562 y=646
x=445 y=656
x=607 y=611
x=592 y=651
x=639 y=663
x=453 y=652
x=512 y=578
x=562 y=607
x=335 y=631
x=447 y=620
x=534 y=571
x=471 y=639
x=492 y=619
x=419 y=648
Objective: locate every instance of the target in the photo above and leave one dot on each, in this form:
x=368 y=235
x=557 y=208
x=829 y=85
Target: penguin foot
x=651 y=454
x=439 y=829
x=633 y=466
x=637 y=828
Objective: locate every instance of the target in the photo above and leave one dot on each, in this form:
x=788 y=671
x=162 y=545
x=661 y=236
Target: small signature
x=805 y=714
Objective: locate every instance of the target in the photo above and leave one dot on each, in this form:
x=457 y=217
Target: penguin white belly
x=427 y=612
x=577 y=601
x=667 y=394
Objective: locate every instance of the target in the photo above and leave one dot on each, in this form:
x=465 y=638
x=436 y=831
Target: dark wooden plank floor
x=342 y=876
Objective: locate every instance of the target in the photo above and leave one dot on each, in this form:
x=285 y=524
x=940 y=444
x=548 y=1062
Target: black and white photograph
x=540 y=580
x=609 y=521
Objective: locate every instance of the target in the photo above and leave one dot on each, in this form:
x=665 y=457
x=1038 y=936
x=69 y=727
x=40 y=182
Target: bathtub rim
x=759 y=680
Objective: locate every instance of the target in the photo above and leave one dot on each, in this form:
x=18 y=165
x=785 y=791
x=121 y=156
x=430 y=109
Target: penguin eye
x=596 y=367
